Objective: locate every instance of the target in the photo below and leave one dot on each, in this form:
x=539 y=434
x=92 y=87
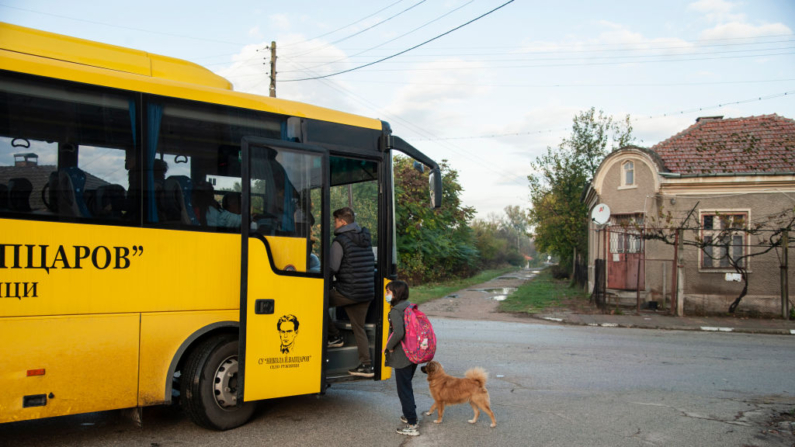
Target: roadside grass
x=543 y=292
x=432 y=291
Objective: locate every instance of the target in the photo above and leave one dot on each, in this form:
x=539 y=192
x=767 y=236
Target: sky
x=490 y=86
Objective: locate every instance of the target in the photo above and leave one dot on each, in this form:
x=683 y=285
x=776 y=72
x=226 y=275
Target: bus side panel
x=99 y=269
x=161 y=336
x=90 y=364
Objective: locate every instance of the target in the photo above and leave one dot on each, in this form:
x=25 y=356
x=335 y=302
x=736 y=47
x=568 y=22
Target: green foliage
x=542 y=292
x=559 y=176
x=432 y=243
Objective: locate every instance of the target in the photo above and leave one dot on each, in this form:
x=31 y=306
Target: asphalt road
x=550 y=385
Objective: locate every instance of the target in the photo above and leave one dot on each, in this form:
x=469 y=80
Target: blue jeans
x=405 y=391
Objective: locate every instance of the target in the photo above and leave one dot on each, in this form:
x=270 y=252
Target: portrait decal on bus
x=288 y=332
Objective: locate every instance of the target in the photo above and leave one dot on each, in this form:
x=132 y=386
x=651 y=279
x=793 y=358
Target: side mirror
x=419 y=167
x=435 y=180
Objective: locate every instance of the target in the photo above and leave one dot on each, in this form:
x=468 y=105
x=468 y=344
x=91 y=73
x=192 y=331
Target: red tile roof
x=713 y=145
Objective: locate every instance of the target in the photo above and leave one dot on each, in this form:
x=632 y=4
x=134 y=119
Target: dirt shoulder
x=480 y=302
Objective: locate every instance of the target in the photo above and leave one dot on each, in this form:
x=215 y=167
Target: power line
x=562 y=65
x=404 y=51
x=396 y=38
x=790 y=93
x=654 y=84
x=521 y=51
x=595 y=58
x=342 y=28
x=460 y=151
x=580 y=44
x=360 y=32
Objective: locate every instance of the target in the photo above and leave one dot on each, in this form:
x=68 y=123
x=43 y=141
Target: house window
x=724 y=240
x=628 y=178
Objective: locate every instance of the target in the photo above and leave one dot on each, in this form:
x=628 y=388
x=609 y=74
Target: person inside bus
x=352 y=262
x=281 y=196
x=210 y=213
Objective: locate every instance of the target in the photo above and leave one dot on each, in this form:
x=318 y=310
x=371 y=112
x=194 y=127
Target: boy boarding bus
x=160 y=234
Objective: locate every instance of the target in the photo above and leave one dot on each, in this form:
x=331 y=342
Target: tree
x=558 y=216
x=432 y=243
x=502 y=239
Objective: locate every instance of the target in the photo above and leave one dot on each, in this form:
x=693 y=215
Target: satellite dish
x=600 y=214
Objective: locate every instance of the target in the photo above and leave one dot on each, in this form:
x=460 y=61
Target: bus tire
x=209 y=385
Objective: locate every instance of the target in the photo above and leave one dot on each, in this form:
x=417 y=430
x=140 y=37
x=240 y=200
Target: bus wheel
x=209 y=386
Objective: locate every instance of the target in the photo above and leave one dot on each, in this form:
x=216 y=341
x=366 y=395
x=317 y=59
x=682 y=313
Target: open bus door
x=282 y=301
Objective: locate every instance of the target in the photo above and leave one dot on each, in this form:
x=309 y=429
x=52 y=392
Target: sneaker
x=409 y=430
x=406 y=421
x=335 y=342
x=362 y=370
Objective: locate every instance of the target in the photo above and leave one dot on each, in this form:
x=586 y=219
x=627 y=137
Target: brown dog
x=449 y=390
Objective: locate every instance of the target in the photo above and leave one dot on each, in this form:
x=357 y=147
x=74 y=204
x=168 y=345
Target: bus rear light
x=35 y=372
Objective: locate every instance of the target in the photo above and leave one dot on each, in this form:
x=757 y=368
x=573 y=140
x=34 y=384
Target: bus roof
x=54 y=55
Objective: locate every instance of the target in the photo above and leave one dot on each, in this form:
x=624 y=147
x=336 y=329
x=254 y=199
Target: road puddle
x=497 y=293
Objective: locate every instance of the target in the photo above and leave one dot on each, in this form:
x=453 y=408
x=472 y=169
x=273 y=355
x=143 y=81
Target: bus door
x=283 y=288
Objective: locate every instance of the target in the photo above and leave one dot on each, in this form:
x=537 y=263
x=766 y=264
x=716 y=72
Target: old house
x=718 y=174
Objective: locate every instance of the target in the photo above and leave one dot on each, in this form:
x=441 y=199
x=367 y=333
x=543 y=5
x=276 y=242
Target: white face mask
x=389 y=298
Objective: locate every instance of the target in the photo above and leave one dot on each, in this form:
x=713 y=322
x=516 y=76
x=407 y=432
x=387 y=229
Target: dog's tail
x=477 y=374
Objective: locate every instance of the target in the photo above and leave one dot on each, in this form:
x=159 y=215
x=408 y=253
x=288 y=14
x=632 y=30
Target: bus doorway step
x=337 y=378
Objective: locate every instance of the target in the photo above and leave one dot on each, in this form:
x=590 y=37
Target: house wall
x=707 y=291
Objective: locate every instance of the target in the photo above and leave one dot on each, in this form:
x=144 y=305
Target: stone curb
x=673 y=328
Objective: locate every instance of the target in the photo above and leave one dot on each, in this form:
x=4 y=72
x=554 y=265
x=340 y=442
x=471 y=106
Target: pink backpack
x=419 y=343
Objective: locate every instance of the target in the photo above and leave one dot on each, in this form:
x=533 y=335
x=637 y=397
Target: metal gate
x=624 y=267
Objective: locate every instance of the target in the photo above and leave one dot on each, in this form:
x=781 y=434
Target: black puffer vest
x=356 y=278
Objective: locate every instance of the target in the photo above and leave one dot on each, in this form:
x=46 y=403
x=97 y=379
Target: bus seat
x=3 y=197
x=108 y=201
x=49 y=194
x=19 y=190
x=71 y=191
x=177 y=200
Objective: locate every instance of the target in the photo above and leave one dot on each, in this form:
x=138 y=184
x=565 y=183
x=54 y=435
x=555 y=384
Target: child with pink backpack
x=411 y=341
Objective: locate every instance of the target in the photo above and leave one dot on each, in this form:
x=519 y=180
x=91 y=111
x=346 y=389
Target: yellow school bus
x=164 y=238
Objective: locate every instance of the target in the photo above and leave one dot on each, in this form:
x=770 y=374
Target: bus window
x=286 y=194
x=192 y=162
x=63 y=151
x=354 y=183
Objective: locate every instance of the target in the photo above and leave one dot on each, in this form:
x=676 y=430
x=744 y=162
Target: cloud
x=255 y=33
x=250 y=72
x=279 y=21
x=717 y=11
x=736 y=30
x=731 y=25
x=613 y=36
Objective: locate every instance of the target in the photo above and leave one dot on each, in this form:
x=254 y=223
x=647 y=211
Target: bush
x=559 y=272
x=515 y=258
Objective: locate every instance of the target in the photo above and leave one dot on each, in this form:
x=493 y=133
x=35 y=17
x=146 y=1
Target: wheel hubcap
x=225 y=383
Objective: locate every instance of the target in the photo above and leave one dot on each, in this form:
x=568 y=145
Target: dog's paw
x=472 y=421
x=493 y=425
x=438 y=421
x=428 y=413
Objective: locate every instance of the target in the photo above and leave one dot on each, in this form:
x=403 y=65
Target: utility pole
x=273 y=69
